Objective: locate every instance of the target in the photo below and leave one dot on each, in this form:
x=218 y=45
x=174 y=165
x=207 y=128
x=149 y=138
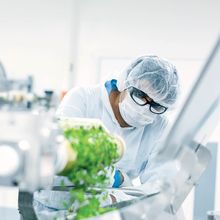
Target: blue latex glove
x=118 y=179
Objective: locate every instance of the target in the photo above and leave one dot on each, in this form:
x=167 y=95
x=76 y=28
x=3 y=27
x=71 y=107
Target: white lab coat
x=93 y=102
x=141 y=143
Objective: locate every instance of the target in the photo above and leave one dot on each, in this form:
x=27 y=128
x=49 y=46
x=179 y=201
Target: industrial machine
x=2 y=72
x=18 y=94
x=28 y=134
x=29 y=151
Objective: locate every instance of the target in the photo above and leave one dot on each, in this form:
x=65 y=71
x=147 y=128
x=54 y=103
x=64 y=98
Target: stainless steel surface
x=213 y=215
x=33 y=136
x=2 y=72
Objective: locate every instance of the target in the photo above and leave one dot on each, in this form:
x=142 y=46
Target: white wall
x=182 y=31
x=35 y=39
x=35 y=35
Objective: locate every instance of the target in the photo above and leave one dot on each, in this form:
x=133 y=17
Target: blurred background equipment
x=19 y=94
x=37 y=149
x=26 y=140
x=27 y=155
x=2 y=72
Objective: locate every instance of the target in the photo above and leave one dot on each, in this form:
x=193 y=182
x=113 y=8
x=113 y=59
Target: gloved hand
x=126 y=180
x=118 y=179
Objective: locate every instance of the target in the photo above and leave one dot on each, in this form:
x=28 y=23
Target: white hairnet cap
x=153 y=75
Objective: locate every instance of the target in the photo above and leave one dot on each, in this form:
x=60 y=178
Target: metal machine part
x=213 y=215
x=2 y=72
x=18 y=94
x=33 y=148
x=28 y=143
x=21 y=97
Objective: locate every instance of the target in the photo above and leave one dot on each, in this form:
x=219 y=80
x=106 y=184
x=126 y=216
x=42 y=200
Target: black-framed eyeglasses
x=142 y=99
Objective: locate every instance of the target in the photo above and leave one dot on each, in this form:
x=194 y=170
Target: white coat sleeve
x=73 y=104
x=151 y=169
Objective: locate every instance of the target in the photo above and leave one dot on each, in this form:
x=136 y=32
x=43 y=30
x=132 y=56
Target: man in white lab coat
x=133 y=106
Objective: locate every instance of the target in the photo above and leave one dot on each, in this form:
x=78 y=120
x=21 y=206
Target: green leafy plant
x=96 y=151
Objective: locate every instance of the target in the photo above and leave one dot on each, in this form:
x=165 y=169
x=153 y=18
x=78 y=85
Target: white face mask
x=135 y=115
